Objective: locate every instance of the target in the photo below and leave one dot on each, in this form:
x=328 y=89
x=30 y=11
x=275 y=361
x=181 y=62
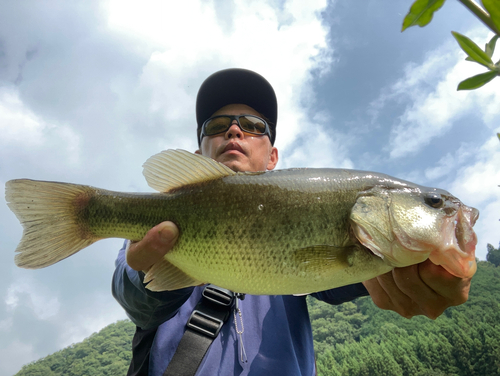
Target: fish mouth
x=464 y=234
x=457 y=254
x=454 y=249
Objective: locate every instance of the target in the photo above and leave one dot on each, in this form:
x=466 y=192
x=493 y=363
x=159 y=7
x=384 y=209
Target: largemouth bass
x=280 y=232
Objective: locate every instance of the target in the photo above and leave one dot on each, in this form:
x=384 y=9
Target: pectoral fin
x=337 y=266
x=164 y=276
x=321 y=260
x=317 y=256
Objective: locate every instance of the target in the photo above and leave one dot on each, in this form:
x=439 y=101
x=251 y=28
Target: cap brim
x=235 y=85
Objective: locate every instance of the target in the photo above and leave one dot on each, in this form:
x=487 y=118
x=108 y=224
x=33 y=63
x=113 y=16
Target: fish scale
x=280 y=232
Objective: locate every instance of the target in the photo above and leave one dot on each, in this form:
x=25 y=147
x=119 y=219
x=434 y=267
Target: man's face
x=238 y=150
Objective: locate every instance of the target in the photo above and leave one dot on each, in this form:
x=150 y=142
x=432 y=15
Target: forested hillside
x=359 y=339
x=351 y=339
x=105 y=353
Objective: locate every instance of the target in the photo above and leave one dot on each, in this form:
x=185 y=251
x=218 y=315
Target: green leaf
x=477 y=81
x=498 y=135
x=421 y=13
x=473 y=50
x=493 y=8
x=490 y=46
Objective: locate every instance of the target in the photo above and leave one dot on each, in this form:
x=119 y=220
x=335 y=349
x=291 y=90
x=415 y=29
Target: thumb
x=167 y=233
x=157 y=242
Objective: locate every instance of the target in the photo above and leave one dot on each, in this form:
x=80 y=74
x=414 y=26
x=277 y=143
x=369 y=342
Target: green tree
x=421 y=13
x=354 y=339
x=464 y=341
x=106 y=353
x=493 y=255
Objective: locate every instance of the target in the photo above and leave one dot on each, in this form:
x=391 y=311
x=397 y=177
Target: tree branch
x=481 y=14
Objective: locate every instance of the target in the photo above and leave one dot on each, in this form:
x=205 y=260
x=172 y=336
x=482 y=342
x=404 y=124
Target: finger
x=401 y=302
x=378 y=294
x=157 y=242
x=431 y=287
x=410 y=283
x=386 y=295
x=454 y=289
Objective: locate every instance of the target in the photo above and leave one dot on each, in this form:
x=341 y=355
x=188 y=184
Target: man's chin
x=234 y=164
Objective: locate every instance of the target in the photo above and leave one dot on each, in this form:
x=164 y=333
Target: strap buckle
x=212 y=311
x=218 y=295
x=205 y=324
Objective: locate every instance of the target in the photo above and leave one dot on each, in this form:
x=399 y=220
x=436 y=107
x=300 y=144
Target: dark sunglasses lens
x=217 y=125
x=252 y=124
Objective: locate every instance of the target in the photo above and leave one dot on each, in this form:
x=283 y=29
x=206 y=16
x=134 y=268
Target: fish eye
x=434 y=200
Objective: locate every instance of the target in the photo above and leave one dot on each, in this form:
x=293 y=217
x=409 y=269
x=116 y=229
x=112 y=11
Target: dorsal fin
x=171 y=169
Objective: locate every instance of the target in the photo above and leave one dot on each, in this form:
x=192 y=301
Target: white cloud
x=488 y=227
x=317 y=148
x=431 y=114
x=450 y=162
x=34 y=297
x=433 y=104
x=76 y=326
x=477 y=184
x=5 y=324
x=91 y=104
x=14 y=355
x=24 y=130
x=283 y=45
x=18 y=124
x=431 y=108
x=479 y=180
x=89 y=93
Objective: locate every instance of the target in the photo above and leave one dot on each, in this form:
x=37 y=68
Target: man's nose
x=234 y=131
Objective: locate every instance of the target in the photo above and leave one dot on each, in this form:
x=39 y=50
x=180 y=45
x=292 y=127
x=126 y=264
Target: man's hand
x=422 y=289
x=157 y=242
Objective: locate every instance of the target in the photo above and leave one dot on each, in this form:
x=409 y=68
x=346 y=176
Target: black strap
x=141 y=347
x=205 y=323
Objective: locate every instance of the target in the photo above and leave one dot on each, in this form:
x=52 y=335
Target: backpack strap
x=204 y=325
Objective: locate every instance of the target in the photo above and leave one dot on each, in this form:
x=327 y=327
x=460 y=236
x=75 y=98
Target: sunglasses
x=248 y=123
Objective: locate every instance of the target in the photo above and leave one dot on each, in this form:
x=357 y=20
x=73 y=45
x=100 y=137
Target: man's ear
x=273 y=159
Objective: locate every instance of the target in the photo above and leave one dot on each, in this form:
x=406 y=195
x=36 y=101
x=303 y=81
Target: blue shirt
x=277 y=335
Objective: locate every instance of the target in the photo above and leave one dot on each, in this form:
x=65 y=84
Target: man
x=277 y=338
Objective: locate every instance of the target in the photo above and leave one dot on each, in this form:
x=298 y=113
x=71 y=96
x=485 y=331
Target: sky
x=89 y=90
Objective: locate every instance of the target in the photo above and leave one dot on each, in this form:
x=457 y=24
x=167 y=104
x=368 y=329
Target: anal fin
x=164 y=276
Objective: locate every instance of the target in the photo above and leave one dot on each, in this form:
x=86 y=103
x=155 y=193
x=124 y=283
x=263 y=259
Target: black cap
x=235 y=85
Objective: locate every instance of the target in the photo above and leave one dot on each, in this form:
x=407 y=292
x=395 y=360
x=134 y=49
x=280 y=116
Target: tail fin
x=48 y=212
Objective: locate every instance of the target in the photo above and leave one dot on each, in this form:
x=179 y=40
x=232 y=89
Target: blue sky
x=88 y=91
